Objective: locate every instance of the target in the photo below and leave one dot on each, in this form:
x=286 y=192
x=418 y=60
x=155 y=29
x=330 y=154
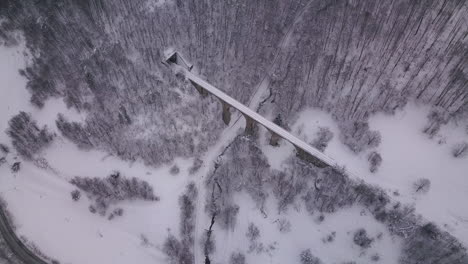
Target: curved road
x=21 y=251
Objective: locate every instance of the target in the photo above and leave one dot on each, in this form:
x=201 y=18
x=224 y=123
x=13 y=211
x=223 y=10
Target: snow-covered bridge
x=304 y=150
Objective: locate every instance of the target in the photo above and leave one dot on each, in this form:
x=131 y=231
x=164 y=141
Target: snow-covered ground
x=45 y=214
x=306 y=232
x=407 y=155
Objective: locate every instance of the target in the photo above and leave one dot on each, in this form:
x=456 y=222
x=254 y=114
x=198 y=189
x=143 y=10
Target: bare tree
x=322 y=138
x=422 y=185
x=28 y=139
x=284 y=226
x=460 y=150
x=361 y=239
x=16 y=166
x=113 y=189
x=75 y=194
x=4 y=148
x=375 y=160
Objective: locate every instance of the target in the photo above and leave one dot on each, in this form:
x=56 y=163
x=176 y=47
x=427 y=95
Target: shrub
x=460 y=150
x=4 y=148
x=172 y=248
x=307 y=258
x=422 y=185
x=429 y=244
x=375 y=257
x=76 y=194
x=237 y=258
x=16 y=166
x=361 y=239
x=375 y=160
x=174 y=170
x=208 y=241
x=196 y=166
x=26 y=136
x=329 y=238
x=323 y=137
x=358 y=136
x=113 y=189
x=253 y=233
x=284 y=225
x=115 y=213
x=74 y=132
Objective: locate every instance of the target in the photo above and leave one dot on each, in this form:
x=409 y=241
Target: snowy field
x=306 y=232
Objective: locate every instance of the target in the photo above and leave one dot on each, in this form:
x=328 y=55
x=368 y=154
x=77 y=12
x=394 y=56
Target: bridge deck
x=258 y=118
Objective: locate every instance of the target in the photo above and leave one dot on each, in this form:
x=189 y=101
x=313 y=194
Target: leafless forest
x=351 y=58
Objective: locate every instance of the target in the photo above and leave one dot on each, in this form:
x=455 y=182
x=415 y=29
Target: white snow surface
x=306 y=233
x=45 y=214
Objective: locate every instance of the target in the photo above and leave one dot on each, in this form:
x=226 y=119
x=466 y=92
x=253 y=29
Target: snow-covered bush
x=429 y=244
x=422 y=185
x=436 y=118
x=237 y=258
x=243 y=167
x=75 y=194
x=375 y=160
x=227 y=216
x=286 y=187
x=16 y=166
x=74 y=132
x=460 y=150
x=306 y=257
x=173 y=249
x=197 y=163
x=284 y=226
x=375 y=257
x=329 y=238
x=187 y=213
x=181 y=250
x=26 y=136
x=116 y=212
x=331 y=190
x=4 y=148
x=358 y=136
x=174 y=170
x=361 y=239
x=113 y=189
x=208 y=242
x=253 y=233
x=322 y=138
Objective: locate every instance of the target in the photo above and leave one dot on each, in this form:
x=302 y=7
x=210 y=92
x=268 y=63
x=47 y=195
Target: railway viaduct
x=252 y=118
